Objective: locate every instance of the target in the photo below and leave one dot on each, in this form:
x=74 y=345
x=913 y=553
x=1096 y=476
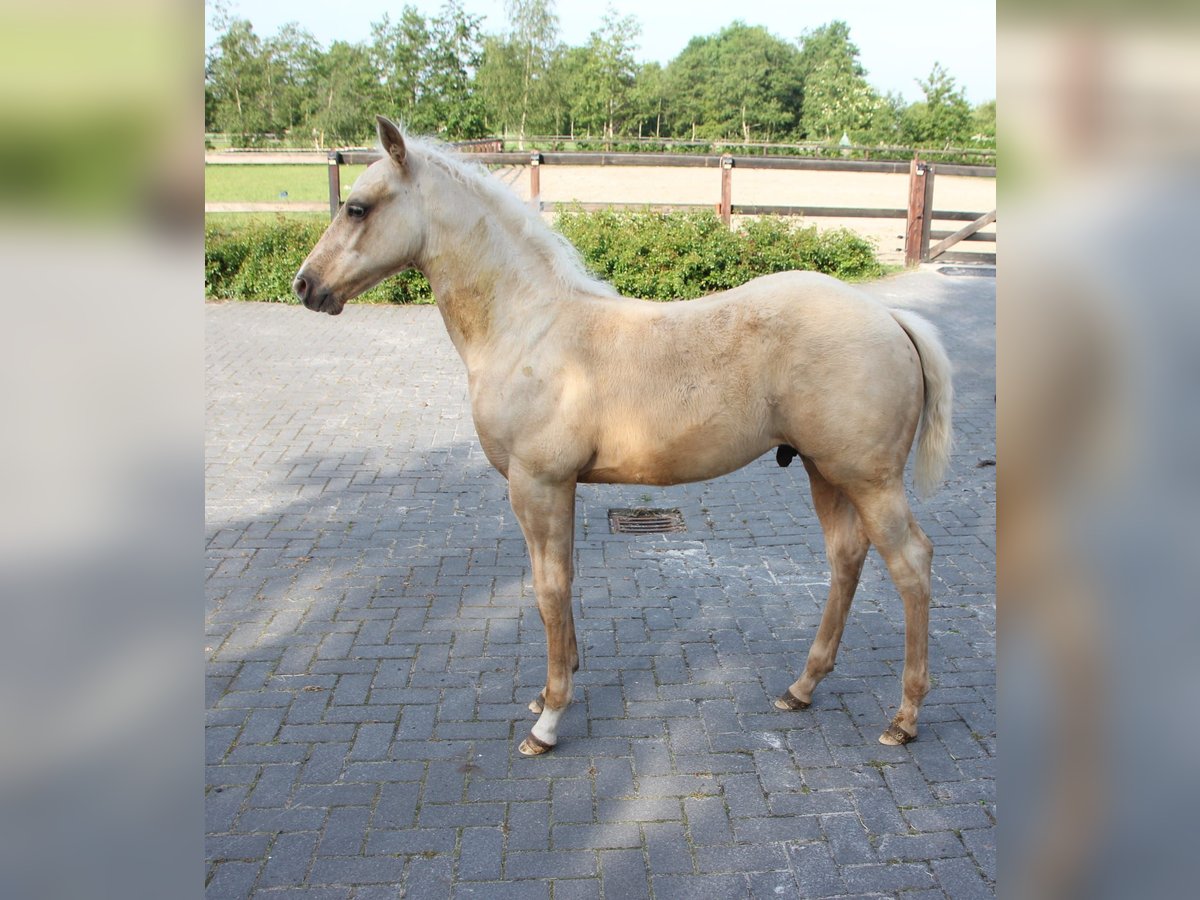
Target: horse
x=571 y=383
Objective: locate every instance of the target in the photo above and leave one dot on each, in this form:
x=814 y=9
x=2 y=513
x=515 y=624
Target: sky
x=899 y=42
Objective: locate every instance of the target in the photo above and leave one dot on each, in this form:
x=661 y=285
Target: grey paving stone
x=345 y=831
x=525 y=889
x=668 y=849
x=571 y=800
x=528 y=826
x=891 y=877
x=356 y=870
x=816 y=872
x=574 y=888
x=776 y=829
x=550 y=864
x=961 y=878
x=232 y=880
x=481 y=854
x=935 y=845
x=607 y=835
x=708 y=820
x=742 y=858
x=289 y=859
x=224 y=847
x=698 y=887
x=623 y=874
x=429 y=877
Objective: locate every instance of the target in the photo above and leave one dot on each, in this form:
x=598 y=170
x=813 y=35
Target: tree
x=513 y=76
x=397 y=53
x=943 y=119
x=451 y=103
x=612 y=47
x=291 y=58
x=239 y=83
x=649 y=99
x=983 y=124
x=573 y=71
x=347 y=87
x=837 y=98
x=742 y=82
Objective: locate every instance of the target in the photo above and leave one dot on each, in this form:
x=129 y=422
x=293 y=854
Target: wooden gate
x=921 y=216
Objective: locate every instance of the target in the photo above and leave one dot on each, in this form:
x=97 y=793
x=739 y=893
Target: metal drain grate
x=645 y=521
x=977 y=271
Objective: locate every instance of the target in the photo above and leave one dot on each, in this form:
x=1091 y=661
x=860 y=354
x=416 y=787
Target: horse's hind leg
x=909 y=554
x=546 y=511
x=846 y=547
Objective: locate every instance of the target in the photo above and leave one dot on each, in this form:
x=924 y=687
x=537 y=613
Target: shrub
x=655 y=256
x=668 y=256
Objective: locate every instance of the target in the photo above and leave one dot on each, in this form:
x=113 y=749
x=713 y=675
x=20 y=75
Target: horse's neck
x=480 y=273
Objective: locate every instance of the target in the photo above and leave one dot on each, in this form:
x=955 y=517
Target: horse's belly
x=672 y=464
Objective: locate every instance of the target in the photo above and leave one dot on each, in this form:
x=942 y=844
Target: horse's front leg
x=546 y=510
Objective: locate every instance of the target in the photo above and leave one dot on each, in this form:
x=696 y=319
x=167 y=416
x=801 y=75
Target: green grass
x=231 y=220
x=263 y=183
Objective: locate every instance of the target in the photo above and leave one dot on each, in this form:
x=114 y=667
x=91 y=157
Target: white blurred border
x=1098 y=329
x=101 y=575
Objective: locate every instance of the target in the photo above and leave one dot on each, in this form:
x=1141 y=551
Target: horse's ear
x=392 y=139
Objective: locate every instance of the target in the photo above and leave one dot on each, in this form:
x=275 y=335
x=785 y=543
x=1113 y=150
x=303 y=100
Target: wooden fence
x=919 y=214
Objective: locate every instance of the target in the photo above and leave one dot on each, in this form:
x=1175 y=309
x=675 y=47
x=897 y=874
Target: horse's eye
x=355 y=211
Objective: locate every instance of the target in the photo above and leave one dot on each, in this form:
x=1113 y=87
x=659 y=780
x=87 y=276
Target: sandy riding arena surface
x=640 y=184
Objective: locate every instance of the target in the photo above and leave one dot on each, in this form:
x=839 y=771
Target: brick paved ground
x=372 y=642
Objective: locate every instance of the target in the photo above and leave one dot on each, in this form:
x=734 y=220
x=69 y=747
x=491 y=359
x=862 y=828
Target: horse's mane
x=568 y=268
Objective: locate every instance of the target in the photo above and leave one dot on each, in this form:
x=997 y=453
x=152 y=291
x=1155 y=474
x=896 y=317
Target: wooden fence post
x=335 y=182
x=927 y=203
x=920 y=212
x=727 y=189
x=535 y=180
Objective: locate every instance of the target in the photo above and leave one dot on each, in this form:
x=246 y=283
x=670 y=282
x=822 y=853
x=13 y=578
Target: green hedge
x=656 y=256
x=669 y=256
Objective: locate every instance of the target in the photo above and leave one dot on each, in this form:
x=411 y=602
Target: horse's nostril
x=300 y=286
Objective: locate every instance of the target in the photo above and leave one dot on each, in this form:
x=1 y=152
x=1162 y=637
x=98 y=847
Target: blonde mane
x=567 y=266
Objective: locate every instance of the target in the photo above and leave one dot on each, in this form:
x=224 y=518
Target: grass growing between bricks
x=654 y=256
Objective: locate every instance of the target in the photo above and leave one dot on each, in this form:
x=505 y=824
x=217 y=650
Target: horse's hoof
x=534 y=746
x=895 y=736
x=788 y=700
x=537 y=704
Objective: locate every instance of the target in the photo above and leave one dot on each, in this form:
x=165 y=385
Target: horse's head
x=376 y=233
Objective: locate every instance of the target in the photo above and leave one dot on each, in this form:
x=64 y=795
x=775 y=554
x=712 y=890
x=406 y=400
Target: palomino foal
x=571 y=383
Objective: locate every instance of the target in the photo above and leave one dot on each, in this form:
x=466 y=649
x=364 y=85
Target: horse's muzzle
x=312 y=296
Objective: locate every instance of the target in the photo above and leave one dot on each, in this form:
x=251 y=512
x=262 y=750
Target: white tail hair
x=935 y=439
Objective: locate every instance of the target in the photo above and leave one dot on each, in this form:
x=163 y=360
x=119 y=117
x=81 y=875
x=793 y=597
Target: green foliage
x=514 y=73
x=448 y=100
x=944 y=118
x=837 y=98
x=258 y=260
x=655 y=256
x=983 y=124
x=442 y=75
x=669 y=256
x=346 y=81
x=742 y=83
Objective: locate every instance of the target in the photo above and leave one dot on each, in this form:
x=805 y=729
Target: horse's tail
x=935 y=439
